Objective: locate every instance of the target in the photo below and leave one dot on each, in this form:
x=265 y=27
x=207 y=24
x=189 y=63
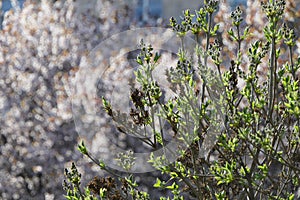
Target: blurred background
x=144 y=9
x=42 y=44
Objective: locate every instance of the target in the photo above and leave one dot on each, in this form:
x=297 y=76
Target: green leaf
x=220 y=182
x=102 y=164
x=291 y=197
x=246 y=31
x=158 y=183
x=81 y=147
x=103 y=192
x=172 y=187
x=139 y=60
x=156 y=57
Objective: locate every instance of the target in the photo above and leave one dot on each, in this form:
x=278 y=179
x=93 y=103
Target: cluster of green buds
x=288 y=35
x=180 y=28
x=236 y=16
x=200 y=22
x=214 y=51
x=184 y=67
x=211 y=5
x=172 y=115
x=255 y=54
x=274 y=9
x=73 y=176
x=187 y=19
x=145 y=54
x=237 y=19
x=183 y=72
x=72 y=184
x=196 y=26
